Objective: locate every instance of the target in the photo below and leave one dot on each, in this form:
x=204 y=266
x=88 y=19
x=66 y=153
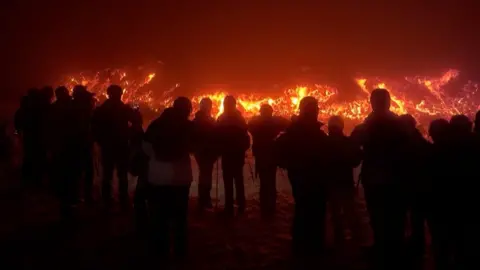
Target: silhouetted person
x=234 y=141
x=83 y=106
x=465 y=149
x=416 y=184
x=383 y=139
x=168 y=144
x=303 y=151
x=264 y=130
x=62 y=147
x=30 y=122
x=345 y=156
x=441 y=200
x=111 y=126
x=206 y=151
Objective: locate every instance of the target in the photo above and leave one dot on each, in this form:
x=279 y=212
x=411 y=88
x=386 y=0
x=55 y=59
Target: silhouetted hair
x=408 y=120
x=206 y=104
x=266 y=110
x=461 y=124
x=380 y=100
x=47 y=92
x=62 y=93
x=183 y=106
x=114 y=92
x=336 y=121
x=229 y=103
x=309 y=107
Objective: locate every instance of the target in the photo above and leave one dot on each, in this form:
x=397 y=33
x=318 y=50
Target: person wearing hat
x=111 y=128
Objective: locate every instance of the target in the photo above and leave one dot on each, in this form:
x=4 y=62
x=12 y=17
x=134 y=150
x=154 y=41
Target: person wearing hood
x=384 y=141
x=205 y=152
x=234 y=141
x=168 y=143
x=303 y=151
x=264 y=129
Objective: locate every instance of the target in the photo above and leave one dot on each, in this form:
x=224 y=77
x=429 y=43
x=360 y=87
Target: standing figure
x=384 y=141
x=441 y=202
x=463 y=190
x=62 y=148
x=416 y=185
x=264 y=130
x=168 y=143
x=345 y=156
x=234 y=141
x=304 y=151
x=205 y=152
x=111 y=127
x=83 y=105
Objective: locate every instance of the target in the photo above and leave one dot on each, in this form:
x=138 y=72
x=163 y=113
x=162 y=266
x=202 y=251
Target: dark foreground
x=32 y=238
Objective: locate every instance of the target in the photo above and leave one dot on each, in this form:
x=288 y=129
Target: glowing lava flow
x=425 y=98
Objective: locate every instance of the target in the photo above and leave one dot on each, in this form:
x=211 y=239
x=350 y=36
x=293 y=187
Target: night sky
x=214 y=42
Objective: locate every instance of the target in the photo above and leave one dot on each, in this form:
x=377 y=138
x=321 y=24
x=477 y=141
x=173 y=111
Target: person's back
x=264 y=131
x=111 y=128
x=303 y=150
x=205 y=135
x=384 y=140
x=206 y=150
x=233 y=141
x=232 y=134
x=345 y=155
x=111 y=123
x=168 y=144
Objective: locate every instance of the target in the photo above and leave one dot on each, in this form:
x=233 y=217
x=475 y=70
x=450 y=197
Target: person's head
x=460 y=124
x=477 y=122
x=266 y=110
x=47 y=93
x=183 y=106
x=309 y=108
x=206 y=105
x=380 y=100
x=335 y=125
x=115 y=92
x=229 y=104
x=62 y=93
x=408 y=121
x=439 y=130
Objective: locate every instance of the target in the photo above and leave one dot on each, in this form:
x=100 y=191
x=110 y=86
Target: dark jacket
x=303 y=147
x=264 y=131
x=232 y=134
x=345 y=156
x=384 y=141
x=111 y=124
x=204 y=135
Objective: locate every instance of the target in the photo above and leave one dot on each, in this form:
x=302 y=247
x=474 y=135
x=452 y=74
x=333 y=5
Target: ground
x=31 y=238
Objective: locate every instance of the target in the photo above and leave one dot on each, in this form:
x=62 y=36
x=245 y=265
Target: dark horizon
x=222 y=43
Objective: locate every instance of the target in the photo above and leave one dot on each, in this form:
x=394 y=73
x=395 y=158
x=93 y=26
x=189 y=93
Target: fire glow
x=423 y=97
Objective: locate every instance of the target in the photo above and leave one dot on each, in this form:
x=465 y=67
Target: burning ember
x=423 y=97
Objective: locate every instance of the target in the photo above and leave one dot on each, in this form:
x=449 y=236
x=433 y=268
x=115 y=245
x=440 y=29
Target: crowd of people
x=403 y=174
